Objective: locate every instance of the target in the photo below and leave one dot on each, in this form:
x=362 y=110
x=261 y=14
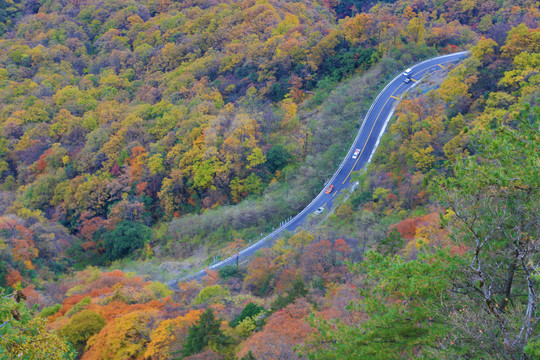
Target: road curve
x=366 y=141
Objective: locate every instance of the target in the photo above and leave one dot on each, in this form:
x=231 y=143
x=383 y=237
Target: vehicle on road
x=319 y=210
x=356 y=152
x=329 y=189
x=407 y=73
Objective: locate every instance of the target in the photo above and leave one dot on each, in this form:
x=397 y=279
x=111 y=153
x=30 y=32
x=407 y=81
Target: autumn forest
x=143 y=141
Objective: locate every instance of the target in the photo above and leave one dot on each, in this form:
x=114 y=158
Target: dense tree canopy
x=145 y=111
x=157 y=137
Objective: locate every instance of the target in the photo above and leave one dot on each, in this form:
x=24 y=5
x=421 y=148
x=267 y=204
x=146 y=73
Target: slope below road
x=366 y=141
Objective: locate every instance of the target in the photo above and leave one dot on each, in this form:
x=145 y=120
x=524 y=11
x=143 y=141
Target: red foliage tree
x=20 y=239
x=407 y=227
x=316 y=260
x=12 y=276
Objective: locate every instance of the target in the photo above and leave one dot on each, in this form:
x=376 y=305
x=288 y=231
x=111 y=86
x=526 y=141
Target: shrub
x=50 y=310
x=160 y=290
x=211 y=294
x=230 y=271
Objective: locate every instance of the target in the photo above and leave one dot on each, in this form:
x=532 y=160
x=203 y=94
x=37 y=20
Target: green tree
x=124 y=239
x=229 y=271
x=206 y=332
x=495 y=198
x=249 y=356
x=82 y=327
x=391 y=244
x=249 y=311
x=78 y=307
x=297 y=290
x=403 y=302
x=50 y=310
x=277 y=157
x=211 y=294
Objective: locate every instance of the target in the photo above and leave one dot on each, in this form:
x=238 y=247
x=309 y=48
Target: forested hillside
x=155 y=135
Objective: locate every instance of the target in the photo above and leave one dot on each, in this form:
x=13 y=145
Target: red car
x=329 y=189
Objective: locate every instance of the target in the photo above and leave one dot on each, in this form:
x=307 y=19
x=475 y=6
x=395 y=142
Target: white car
x=356 y=152
x=407 y=73
x=319 y=210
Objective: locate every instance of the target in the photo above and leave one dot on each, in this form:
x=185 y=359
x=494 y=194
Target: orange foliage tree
x=12 y=276
x=138 y=160
x=285 y=329
x=187 y=291
x=19 y=238
x=211 y=277
x=260 y=271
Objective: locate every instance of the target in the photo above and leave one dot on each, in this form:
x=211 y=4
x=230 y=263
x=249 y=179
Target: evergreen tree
x=206 y=332
x=249 y=311
x=124 y=239
x=391 y=244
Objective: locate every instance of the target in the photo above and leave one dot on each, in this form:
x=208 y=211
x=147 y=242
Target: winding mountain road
x=366 y=142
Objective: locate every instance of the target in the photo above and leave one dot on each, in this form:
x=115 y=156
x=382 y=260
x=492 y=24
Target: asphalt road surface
x=366 y=142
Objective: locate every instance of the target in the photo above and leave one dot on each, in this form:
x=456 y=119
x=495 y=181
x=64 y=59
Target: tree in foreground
x=495 y=196
x=401 y=299
x=23 y=335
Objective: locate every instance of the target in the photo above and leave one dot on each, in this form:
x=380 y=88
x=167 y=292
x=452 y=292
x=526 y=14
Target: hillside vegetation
x=156 y=131
x=147 y=111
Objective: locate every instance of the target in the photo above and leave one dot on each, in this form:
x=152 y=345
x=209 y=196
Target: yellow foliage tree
x=166 y=339
x=358 y=29
x=123 y=338
x=483 y=48
x=417 y=29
